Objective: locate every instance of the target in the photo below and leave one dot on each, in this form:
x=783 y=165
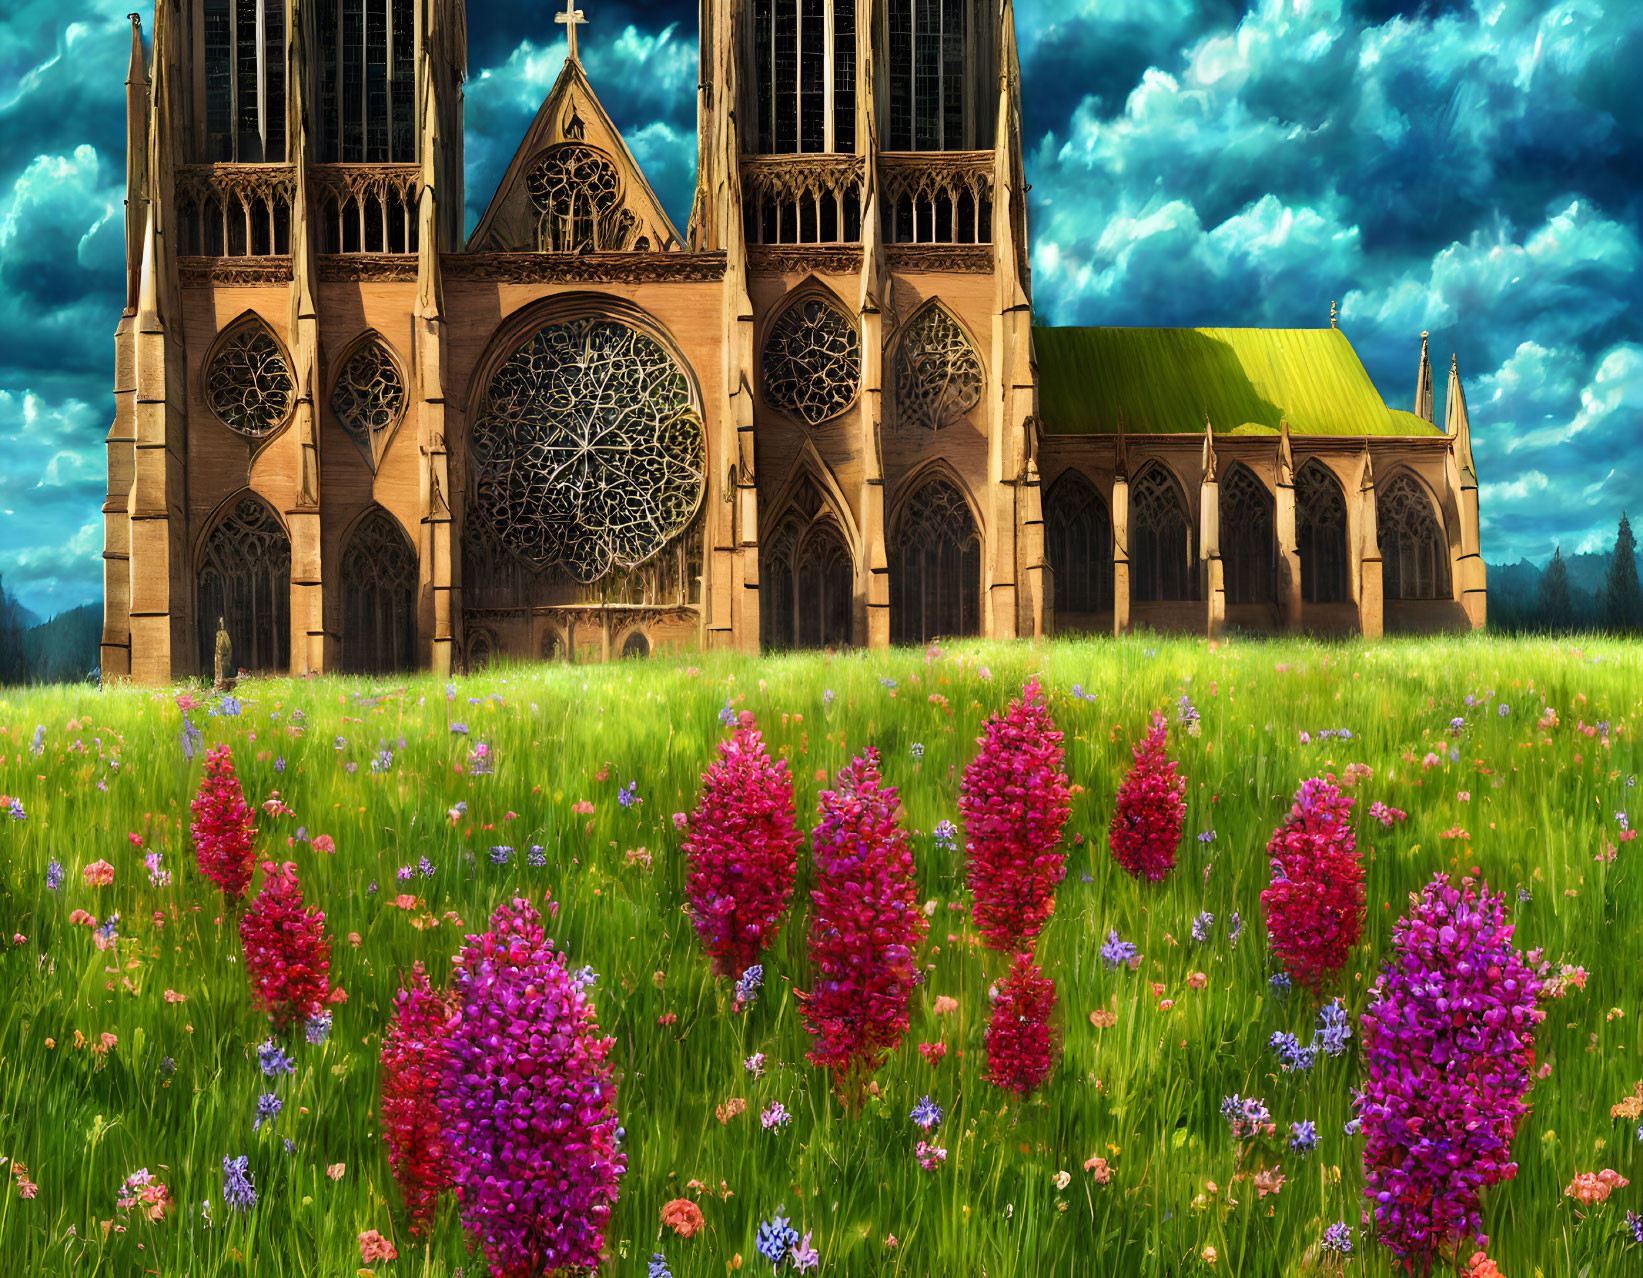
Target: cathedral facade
x=818 y=415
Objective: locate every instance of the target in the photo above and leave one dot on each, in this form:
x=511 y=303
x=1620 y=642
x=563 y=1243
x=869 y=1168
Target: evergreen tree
x=1621 y=596
x=13 y=664
x=1556 y=608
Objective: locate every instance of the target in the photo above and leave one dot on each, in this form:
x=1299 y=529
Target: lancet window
x=588 y=452
x=927 y=75
x=804 y=63
x=1160 y=534
x=935 y=566
x=1078 y=543
x=244 y=578
x=379 y=589
x=367 y=80
x=1249 y=540
x=812 y=361
x=244 y=68
x=368 y=398
x=939 y=375
x=1320 y=535
x=248 y=382
x=807 y=579
x=1414 y=555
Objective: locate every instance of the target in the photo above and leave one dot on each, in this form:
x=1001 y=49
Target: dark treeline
x=1593 y=592
x=62 y=650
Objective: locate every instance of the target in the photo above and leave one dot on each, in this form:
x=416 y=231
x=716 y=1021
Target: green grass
x=1145 y=1093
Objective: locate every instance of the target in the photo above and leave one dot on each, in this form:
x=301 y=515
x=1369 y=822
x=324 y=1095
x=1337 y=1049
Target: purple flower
x=529 y=1101
x=1634 y=1226
x=237 y=1190
x=754 y=1064
x=748 y=983
x=628 y=795
x=1201 y=926
x=459 y=729
x=1281 y=984
x=727 y=716
x=804 y=1256
x=1303 y=1136
x=54 y=874
x=501 y=854
x=404 y=873
x=658 y=1266
x=927 y=1114
x=776 y=1238
x=268 y=1109
x=916 y=750
x=1334 y=1029
x=536 y=855
x=37 y=747
x=1115 y=953
x=775 y=1115
x=1287 y=1048
x=318 y=1028
x=109 y=932
x=1505 y=710
x=274 y=1061
x=946 y=835
x=1449 y=1044
x=1236 y=930
x=1338 y=1238
x=1185 y=711
x=1208 y=836
x=827 y=699
x=192 y=737
x=1247 y=1118
x=481 y=761
x=279 y=764
x=427 y=868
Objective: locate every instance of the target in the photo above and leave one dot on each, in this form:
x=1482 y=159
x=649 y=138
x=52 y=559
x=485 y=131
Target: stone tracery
x=812 y=361
x=578 y=193
x=248 y=383
x=589 y=453
x=368 y=397
x=939 y=377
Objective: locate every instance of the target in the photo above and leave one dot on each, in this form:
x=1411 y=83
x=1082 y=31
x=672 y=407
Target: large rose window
x=588 y=453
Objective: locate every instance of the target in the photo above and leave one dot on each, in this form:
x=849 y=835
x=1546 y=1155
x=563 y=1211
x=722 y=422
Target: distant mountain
x=67 y=648
x=1514 y=592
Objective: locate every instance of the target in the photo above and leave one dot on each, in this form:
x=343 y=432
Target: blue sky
x=1469 y=168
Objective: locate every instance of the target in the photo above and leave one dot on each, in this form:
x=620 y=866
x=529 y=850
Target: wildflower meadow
x=1140 y=957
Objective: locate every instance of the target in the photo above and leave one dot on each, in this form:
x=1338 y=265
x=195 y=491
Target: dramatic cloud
x=1469 y=167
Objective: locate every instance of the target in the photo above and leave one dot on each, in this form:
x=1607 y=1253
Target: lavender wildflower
x=501 y=854
x=318 y=1028
x=1303 y=1136
x=268 y=1109
x=628 y=795
x=927 y=1114
x=1115 y=952
x=776 y=1238
x=237 y=1190
x=274 y=1061
x=1338 y=1238
x=54 y=874
x=1201 y=926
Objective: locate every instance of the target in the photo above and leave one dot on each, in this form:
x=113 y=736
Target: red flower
x=741 y=845
x=1020 y=1039
x=1314 y=907
x=1014 y=802
x=865 y=928
x=414 y=1059
x=222 y=828
x=1146 y=824
x=287 y=958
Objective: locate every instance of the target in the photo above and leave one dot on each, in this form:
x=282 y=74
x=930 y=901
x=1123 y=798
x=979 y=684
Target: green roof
x=1245 y=380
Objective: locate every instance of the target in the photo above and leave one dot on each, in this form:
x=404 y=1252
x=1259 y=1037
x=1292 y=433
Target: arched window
x=1078 y=543
x=554 y=647
x=245 y=578
x=379 y=589
x=368 y=397
x=807 y=580
x=804 y=68
x=1320 y=535
x=935 y=566
x=248 y=382
x=1161 y=561
x=1249 y=540
x=926 y=71
x=366 y=52
x=1414 y=555
x=812 y=360
x=245 y=60
x=481 y=649
x=637 y=644
x=939 y=375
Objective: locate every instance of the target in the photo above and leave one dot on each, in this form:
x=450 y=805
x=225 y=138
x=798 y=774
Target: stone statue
x=225 y=654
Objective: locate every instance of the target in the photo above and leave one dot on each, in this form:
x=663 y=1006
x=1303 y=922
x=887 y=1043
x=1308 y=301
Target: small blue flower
x=1115 y=953
x=237 y=1190
x=1334 y=1029
x=1201 y=926
x=583 y=977
x=727 y=716
x=1303 y=1136
x=459 y=729
x=274 y=1061
x=279 y=764
x=1505 y=709
x=501 y=854
x=916 y=749
x=537 y=855
x=229 y=706
x=1338 y=1238
x=268 y=1109
x=775 y=1239
x=828 y=696
x=1353 y=1126
x=927 y=1114
x=1292 y=1056
x=427 y=868
x=628 y=795
x=748 y=983
x=946 y=835
x=658 y=1266
x=318 y=1028
x=1236 y=929
x=340 y=743
x=1208 y=836
x=1281 y=984
x=54 y=874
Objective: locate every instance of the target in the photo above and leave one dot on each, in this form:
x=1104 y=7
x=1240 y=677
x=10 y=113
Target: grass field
x=1525 y=802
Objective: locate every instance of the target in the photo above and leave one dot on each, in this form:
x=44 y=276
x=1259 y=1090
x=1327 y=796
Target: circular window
x=248 y=383
x=812 y=361
x=588 y=452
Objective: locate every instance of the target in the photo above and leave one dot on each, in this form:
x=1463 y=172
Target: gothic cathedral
x=819 y=415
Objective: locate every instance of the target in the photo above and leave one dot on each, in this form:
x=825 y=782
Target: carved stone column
x=1210 y=568
x=1371 y=605
x=1289 y=555
x=873 y=575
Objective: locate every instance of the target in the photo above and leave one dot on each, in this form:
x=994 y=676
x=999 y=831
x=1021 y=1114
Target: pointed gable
x=573 y=186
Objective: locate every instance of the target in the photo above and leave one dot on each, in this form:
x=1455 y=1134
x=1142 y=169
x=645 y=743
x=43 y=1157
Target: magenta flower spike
x=865 y=929
x=1147 y=820
x=1449 y=1044
x=741 y=843
x=1314 y=905
x=529 y=1102
x=1015 y=801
